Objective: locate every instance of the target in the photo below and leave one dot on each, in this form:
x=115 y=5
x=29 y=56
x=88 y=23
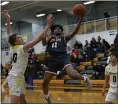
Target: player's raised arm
x=41 y=35
x=8 y=22
x=68 y=37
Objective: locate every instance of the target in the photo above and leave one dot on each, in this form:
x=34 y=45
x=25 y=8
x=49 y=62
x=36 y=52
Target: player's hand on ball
x=6 y=14
x=50 y=19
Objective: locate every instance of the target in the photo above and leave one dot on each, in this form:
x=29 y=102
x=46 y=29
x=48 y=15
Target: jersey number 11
x=54 y=45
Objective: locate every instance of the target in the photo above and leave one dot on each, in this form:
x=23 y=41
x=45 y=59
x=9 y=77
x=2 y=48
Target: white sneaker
x=48 y=99
x=87 y=83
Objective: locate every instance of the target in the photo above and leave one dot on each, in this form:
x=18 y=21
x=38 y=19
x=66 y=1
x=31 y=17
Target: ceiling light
x=10 y=23
x=89 y=2
x=40 y=15
x=4 y=3
x=59 y=10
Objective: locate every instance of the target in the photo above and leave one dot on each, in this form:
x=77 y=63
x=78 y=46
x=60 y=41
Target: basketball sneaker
x=48 y=99
x=87 y=83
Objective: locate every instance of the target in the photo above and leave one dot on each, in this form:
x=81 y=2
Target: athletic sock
x=84 y=78
x=47 y=96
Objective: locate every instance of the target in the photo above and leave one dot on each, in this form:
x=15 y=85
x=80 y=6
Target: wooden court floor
x=66 y=96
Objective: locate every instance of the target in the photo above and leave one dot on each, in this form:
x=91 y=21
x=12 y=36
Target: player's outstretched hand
x=50 y=19
x=6 y=14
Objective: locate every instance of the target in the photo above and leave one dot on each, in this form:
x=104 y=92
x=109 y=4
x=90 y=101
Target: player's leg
x=22 y=99
x=15 y=99
x=17 y=86
x=75 y=75
x=110 y=97
x=22 y=96
x=47 y=78
x=13 y=90
x=109 y=103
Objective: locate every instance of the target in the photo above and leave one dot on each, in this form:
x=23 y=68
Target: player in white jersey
x=15 y=79
x=111 y=75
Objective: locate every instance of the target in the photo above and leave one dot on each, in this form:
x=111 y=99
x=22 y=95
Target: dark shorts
x=58 y=63
x=55 y=67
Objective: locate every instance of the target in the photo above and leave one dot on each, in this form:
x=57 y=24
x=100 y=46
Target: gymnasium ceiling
x=27 y=10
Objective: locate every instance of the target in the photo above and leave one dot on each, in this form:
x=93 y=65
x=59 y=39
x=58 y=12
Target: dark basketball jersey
x=56 y=47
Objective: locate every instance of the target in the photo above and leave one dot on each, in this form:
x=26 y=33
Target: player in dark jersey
x=56 y=47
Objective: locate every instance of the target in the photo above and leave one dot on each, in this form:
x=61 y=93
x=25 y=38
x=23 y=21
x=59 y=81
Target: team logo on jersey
x=58 y=39
x=55 y=39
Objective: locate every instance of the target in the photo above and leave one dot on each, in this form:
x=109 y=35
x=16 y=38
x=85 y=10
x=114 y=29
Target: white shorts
x=111 y=95
x=16 y=85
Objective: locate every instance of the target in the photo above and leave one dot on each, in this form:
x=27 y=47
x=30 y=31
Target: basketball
x=79 y=10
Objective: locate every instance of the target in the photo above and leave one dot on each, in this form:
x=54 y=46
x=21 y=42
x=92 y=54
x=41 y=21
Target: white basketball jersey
x=113 y=72
x=19 y=60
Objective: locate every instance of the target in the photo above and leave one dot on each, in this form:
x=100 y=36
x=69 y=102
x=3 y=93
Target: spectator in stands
x=99 y=38
x=80 y=59
x=74 y=51
x=86 y=44
x=78 y=45
x=87 y=51
x=74 y=59
x=99 y=69
x=93 y=48
x=106 y=45
x=108 y=25
x=93 y=43
x=99 y=45
x=32 y=56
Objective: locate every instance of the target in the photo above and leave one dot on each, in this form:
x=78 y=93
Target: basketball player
x=56 y=47
x=111 y=75
x=16 y=81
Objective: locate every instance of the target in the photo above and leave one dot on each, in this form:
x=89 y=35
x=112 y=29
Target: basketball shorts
x=55 y=67
x=58 y=63
x=16 y=85
x=112 y=94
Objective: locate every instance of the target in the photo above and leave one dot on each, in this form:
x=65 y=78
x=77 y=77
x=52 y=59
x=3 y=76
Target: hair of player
x=12 y=38
x=114 y=54
x=55 y=26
